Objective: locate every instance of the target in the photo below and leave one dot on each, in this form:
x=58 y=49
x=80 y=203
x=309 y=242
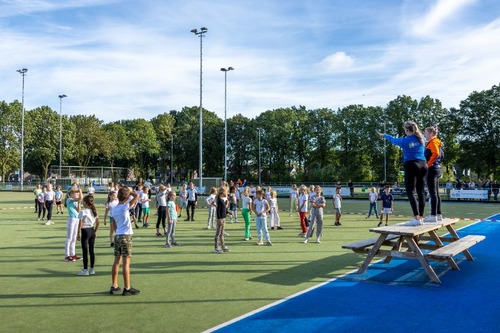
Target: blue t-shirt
x=72 y=208
x=412 y=148
x=387 y=200
x=172 y=211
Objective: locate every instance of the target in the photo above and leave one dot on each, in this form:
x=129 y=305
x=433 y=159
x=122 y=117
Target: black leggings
x=88 y=240
x=191 y=204
x=162 y=216
x=415 y=172
x=433 y=176
x=49 y=205
x=41 y=207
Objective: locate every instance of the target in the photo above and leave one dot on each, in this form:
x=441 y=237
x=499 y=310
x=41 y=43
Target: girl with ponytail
x=87 y=231
x=415 y=166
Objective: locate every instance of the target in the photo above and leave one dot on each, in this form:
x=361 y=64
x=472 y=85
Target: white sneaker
x=430 y=219
x=305 y=241
x=414 y=222
x=439 y=217
x=318 y=241
x=91 y=271
x=83 y=272
x=48 y=223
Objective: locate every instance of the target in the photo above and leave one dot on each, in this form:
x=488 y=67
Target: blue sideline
x=396 y=297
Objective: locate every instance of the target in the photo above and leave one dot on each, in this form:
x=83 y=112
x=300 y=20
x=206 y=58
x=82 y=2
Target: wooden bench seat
x=361 y=246
x=450 y=250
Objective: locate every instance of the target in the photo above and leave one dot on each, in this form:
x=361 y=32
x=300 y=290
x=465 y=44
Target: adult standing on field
x=434 y=156
x=415 y=167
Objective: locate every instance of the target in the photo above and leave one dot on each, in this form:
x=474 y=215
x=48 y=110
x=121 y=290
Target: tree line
x=293 y=143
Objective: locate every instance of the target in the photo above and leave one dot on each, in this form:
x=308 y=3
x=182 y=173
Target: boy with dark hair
x=123 y=241
x=387 y=205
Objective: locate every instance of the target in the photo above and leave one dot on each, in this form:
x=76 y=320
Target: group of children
x=44 y=202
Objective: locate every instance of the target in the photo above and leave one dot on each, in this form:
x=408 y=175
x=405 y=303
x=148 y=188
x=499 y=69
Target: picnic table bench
x=408 y=242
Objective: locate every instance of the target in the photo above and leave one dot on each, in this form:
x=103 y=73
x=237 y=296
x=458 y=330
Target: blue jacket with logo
x=413 y=150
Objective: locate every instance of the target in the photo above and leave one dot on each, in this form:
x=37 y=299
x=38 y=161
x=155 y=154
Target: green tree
x=479 y=131
x=163 y=125
x=240 y=143
x=89 y=139
x=10 y=132
x=41 y=139
x=144 y=144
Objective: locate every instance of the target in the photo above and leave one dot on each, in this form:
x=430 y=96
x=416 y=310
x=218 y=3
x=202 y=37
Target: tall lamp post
x=60 y=134
x=200 y=34
x=225 y=70
x=260 y=179
x=385 y=155
x=21 y=175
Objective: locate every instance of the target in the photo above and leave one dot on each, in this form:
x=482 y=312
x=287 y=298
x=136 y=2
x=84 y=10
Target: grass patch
x=183 y=289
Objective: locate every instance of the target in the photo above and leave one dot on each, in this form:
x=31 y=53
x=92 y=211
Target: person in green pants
x=246 y=210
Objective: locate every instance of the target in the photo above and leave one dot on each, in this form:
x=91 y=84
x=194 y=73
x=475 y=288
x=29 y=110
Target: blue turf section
x=397 y=297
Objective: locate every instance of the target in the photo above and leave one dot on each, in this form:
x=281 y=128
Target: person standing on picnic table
x=415 y=166
x=434 y=156
x=387 y=205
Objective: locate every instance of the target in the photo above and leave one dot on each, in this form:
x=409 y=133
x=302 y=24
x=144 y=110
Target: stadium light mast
x=225 y=70
x=60 y=134
x=260 y=178
x=201 y=34
x=21 y=174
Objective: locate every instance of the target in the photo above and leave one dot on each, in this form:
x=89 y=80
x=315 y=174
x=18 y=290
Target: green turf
x=183 y=289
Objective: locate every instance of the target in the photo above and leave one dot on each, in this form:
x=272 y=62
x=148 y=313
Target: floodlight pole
x=60 y=134
x=260 y=178
x=21 y=175
x=201 y=34
x=225 y=70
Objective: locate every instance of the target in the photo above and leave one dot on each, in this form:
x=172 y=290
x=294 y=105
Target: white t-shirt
x=211 y=200
x=110 y=205
x=273 y=203
x=303 y=200
x=336 y=201
x=373 y=197
x=293 y=194
x=49 y=196
x=246 y=202
x=161 y=198
x=121 y=216
x=91 y=190
x=192 y=194
x=260 y=205
x=145 y=204
x=87 y=217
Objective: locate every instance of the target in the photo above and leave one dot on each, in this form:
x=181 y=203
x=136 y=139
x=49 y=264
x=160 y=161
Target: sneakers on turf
x=130 y=292
x=226 y=249
x=77 y=258
x=260 y=243
x=83 y=272
x=176 y=244
x=91 y=271
x=218 y=251
x=67 y=259
x=414 y=222
x=48 y=223
x=430 y=219
x=268 y=243
x=305 y=241
x=114 y=290
x=318 y=240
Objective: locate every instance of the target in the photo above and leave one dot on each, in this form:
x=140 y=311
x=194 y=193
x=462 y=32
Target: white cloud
x=440 y=12
x=337 y=62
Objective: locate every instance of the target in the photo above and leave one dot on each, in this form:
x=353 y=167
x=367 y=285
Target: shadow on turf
x=321 y=268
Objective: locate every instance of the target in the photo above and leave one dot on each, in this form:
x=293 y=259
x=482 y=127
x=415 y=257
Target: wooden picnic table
x=408 y=242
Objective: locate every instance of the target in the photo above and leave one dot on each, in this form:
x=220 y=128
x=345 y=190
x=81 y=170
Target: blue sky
x=137 y=59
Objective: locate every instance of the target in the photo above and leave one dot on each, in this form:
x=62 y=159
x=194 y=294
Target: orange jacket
x=433 y=152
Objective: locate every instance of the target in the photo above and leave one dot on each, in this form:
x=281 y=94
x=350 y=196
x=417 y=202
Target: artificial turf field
x=183 y=289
